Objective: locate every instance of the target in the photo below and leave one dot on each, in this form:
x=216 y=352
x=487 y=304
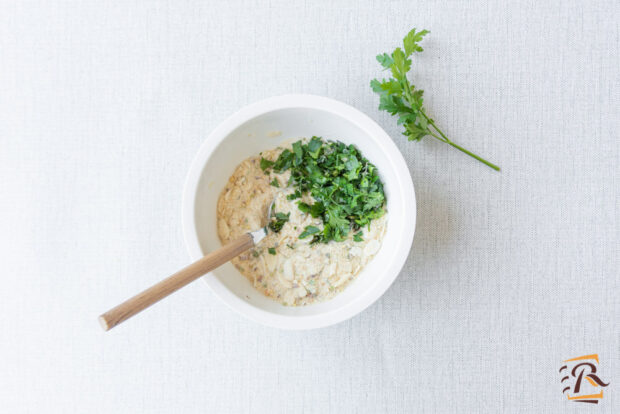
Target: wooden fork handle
x=173 y=283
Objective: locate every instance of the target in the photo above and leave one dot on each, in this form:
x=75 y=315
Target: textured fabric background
x=104 y=104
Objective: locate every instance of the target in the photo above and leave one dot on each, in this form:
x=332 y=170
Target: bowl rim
x=382 y=140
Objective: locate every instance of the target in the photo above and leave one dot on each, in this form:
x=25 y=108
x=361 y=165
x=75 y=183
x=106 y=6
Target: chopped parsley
x=358 y=237
x=265 y=163
x=293 y=196
x=308 y=231
x=278 y=221
x=272 y=251
x=346 y=187
x=275 y=183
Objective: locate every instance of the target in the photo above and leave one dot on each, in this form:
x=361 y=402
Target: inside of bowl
x=267 y=131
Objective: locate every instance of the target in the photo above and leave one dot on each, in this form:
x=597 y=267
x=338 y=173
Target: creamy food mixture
x=290 y=270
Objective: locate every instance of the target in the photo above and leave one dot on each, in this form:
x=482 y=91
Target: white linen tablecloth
x=104 y=104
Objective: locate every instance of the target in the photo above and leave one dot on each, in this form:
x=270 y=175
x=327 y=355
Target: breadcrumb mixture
x=299 y=273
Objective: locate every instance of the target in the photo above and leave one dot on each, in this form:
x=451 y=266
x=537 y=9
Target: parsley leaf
x=284 y=161
x=298 y=152
x=276 y=223
x=282 y=216
x=303 y=207
x=385 y=60
x=309 y=230
x=294 y=195
x=411 y=41
x=265 y=163
x=358 y=237
x=275 y=183
x=314 y=146
x=399 y=97
x=272 y=251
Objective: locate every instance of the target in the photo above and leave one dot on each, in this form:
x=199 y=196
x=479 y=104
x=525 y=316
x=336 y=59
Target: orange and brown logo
x=581 y=381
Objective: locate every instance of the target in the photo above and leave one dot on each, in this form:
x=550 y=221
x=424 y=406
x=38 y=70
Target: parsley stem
x=445 y=139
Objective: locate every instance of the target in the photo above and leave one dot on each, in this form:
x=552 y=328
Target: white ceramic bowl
x=264 y=125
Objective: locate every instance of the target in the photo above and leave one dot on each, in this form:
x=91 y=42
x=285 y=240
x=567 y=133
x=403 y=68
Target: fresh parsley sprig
x=401 y=98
